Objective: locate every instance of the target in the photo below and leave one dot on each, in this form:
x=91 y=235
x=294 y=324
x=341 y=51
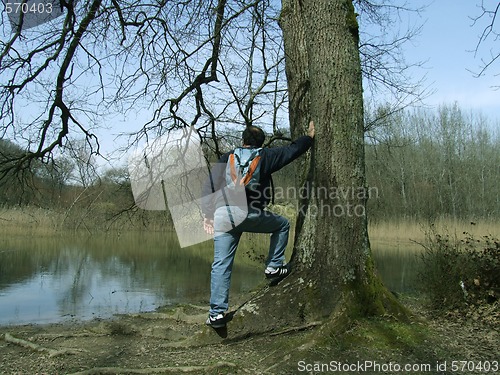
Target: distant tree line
x=429 y=164
x=421 y=164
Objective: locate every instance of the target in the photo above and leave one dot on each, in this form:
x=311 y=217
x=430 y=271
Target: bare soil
x=172 y=341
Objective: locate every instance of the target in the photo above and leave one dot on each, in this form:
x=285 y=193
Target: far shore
x=35 y=221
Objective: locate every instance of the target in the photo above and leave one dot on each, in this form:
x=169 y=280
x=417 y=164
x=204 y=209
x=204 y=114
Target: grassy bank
x=409 y=231
x=30 y=220
x=101 y=218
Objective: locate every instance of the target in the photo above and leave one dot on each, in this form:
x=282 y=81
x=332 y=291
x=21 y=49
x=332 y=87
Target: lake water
x=53 y=279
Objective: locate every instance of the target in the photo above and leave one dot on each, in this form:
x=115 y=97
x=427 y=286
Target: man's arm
x=214 y=182
x=208 y=199
x=278 y=157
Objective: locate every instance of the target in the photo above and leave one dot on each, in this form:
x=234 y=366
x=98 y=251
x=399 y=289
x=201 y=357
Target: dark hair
x=253 y=136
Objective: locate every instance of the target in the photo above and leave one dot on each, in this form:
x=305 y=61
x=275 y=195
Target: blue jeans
x=226 y=239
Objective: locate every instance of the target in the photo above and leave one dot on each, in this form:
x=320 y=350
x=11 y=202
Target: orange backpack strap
x=232 y=168
x=251 y=170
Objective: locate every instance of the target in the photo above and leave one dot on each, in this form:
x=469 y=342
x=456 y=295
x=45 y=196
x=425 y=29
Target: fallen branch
x=154 y=370
x=55 y=336
x=296 y=329
x=30 y=345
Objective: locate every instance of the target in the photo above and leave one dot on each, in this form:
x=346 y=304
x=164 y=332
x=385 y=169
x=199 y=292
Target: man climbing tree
x=246 y=172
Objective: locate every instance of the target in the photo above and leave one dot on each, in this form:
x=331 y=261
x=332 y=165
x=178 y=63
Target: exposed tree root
x=285 y=359
x=56 y=336
x=177 y=314
x=30 y=345
x=297 y=329
x=155 y=370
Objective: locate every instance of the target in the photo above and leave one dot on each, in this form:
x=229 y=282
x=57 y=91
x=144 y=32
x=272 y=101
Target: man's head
x=253 y=136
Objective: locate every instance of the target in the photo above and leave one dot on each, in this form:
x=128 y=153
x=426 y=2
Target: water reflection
x=49 y=279
x=398 y=265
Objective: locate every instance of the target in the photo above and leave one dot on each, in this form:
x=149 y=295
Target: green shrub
x=459 y=272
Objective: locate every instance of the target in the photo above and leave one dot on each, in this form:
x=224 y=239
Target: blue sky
x=446 y=43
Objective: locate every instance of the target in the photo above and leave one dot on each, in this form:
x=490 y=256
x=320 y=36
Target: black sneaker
x=278 y=274
x=217 y=321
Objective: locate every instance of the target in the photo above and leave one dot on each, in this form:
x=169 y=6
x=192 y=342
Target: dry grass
x=400 y=233
x=35 y=221
x=407 y=232
x=28 y=221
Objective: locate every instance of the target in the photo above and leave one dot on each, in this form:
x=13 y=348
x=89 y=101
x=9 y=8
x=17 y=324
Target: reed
x=30 y=220
x=26 y=221
x=36 y=221
x=409 y=231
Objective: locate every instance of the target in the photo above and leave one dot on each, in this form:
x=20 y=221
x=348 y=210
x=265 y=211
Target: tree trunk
x=333 y=269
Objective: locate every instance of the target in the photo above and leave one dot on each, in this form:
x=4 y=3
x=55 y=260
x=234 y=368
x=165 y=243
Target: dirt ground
x=177 y=341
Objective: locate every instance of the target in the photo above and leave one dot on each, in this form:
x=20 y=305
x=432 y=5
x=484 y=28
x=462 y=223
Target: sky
x=446 y=44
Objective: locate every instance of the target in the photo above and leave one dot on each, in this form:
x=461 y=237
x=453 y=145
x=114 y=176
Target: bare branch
x=489 y=32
